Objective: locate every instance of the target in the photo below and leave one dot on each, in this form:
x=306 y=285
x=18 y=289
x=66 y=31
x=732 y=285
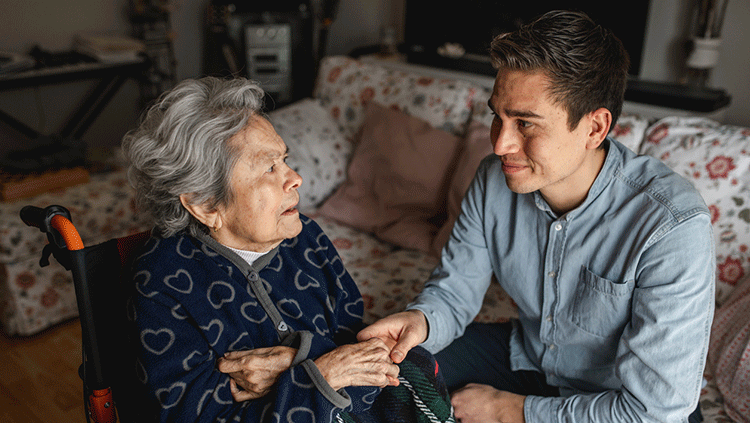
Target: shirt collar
x=257 y=265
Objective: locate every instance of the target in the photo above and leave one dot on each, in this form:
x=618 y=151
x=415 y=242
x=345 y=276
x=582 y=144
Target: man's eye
x=524 y=123
x=270 y=169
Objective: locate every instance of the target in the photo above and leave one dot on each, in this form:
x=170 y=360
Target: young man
x=608 y=255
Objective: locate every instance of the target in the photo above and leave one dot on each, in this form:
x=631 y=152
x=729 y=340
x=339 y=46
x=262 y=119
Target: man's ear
x=204 y=214
x=601 y=120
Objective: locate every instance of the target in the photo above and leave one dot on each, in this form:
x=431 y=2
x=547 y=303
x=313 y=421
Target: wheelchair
x=101 y=293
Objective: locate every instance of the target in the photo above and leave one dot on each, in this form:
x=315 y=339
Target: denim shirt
x=615 y=298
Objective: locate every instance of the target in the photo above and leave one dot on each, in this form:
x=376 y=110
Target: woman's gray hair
x=182 y=146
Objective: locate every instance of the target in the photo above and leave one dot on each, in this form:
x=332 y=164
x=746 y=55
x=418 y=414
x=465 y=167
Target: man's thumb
x=402 y=347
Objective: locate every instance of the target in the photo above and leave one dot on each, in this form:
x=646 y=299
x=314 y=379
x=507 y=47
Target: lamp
x=708 y=18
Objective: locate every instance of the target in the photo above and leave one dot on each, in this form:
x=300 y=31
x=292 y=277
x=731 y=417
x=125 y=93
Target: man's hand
x=254 y=372
x=401 y=332
x=362 y=364
x=476 y=403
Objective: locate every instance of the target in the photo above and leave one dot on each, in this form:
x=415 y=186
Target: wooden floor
x=39 y=376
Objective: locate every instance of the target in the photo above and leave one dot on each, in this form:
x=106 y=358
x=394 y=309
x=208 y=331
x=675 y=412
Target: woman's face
x=263 y=212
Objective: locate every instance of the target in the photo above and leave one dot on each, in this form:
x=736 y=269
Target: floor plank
x=39 y=380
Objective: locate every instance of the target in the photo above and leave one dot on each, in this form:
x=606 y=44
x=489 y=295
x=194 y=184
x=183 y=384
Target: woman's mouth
x=290 y=211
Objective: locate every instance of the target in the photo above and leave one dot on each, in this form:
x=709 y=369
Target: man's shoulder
x=650 y=177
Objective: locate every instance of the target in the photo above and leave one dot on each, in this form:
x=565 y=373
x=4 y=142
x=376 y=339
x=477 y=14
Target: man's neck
x=572 y=192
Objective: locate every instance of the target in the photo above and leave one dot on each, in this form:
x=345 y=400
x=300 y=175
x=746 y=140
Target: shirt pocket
x=601 y=307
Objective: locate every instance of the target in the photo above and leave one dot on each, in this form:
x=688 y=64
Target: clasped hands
x=370 y=362
x=254 y=372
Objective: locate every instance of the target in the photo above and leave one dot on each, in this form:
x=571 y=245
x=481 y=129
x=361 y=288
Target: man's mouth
x=512 y=167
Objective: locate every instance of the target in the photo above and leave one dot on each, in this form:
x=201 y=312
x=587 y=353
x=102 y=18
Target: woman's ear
x=601 y=120
x=208 y=216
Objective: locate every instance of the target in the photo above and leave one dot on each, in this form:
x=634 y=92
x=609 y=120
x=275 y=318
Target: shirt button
x=549 y=318
x=552 y=347
x=253 y=276
x=558 y=226
x=551 y=274
x=282 y=327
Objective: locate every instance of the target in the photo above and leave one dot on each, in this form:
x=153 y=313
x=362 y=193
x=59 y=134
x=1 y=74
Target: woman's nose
x=293 y=180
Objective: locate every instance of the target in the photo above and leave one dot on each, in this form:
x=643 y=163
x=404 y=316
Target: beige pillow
x=396 y=180
x=476 y=146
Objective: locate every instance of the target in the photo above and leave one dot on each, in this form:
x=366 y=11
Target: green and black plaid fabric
x=421 y=397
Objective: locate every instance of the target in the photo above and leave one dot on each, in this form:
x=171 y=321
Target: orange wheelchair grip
x=68 y=231
x=101 y=407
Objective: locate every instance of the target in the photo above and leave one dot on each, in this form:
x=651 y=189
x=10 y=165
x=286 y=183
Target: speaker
x=268 y=58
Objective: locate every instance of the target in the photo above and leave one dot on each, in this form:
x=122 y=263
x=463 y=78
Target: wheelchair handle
x=56 y=223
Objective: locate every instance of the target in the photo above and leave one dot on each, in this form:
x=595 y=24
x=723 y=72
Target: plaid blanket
x=421 y=396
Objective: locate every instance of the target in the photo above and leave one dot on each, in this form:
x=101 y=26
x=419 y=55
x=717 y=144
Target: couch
x=386 y=155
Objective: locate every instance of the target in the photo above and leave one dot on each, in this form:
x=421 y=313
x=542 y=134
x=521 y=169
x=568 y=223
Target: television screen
x=474 y=23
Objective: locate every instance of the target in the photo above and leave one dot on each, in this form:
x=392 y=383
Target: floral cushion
x=389 y=277
x=629 y=130
x=716 y=159
x=103 y=206
x=317 y=150
x=346 y=85
x=481 y=112
x=33 y=297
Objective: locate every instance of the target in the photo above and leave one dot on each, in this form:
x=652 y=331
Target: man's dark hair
x=587 y=65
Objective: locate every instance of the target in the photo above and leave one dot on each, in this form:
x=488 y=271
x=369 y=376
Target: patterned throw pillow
x=345 y=86
x=716 y=159
x=317 y=150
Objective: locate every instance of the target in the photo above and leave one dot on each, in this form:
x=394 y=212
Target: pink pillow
x=395 y=186
x=476 y=146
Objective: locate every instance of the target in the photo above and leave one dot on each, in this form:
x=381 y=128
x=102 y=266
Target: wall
x=359 y=22
x=733 y=69
x=666 y=52
x=53 y=23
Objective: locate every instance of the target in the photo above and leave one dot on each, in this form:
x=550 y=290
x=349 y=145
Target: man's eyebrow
x=517 y=113
x=523 y=114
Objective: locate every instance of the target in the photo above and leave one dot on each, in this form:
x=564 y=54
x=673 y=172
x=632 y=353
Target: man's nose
x=506 y=141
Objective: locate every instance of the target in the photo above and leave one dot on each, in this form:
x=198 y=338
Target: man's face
x=530 y=133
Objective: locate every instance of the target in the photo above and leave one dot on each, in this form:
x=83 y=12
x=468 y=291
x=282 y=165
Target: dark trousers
x=482 y=355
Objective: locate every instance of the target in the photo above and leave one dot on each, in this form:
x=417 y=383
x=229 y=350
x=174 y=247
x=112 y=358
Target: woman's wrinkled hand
x=254 y=372
x=365 y=363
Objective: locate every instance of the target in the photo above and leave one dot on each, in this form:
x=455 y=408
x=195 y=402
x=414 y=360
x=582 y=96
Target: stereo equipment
x=268 y=58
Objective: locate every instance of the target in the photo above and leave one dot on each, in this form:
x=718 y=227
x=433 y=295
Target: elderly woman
x=242 y=308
